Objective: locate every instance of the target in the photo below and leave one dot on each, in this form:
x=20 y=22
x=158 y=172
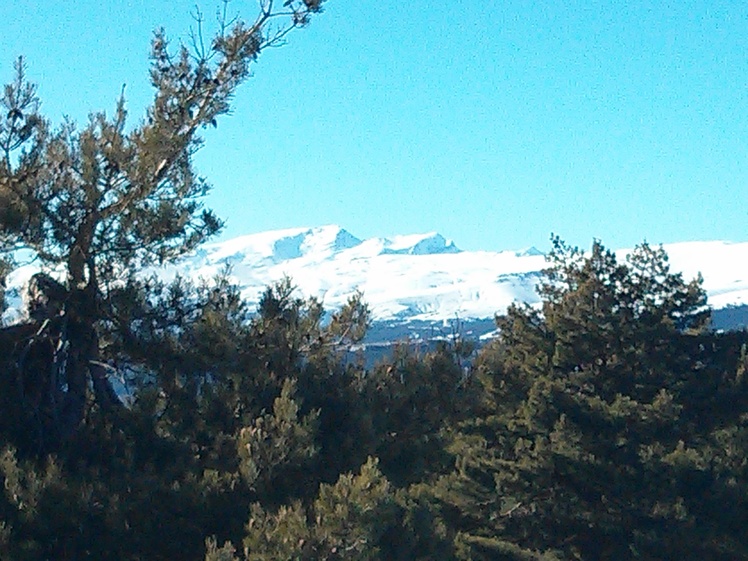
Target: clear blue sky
x=494 y=123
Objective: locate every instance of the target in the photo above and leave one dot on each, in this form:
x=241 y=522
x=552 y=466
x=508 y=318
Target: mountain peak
x=431 y=243
x=531 y=251
x=328 y=239
x=277 y=246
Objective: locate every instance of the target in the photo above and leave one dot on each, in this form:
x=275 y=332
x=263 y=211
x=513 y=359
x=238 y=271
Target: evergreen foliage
x=608 y=424
x=346 y=520
x=593 y=437
x=112 y=197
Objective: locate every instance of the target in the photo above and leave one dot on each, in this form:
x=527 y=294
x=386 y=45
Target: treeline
x=143 y=421
x=610 y=424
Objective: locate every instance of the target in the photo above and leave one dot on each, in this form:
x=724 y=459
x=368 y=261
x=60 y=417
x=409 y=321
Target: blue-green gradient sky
x=495 y=123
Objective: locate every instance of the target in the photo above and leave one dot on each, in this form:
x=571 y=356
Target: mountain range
x=420 y=279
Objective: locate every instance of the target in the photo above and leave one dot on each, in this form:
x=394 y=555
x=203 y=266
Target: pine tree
x=587 y=444
x=106 y=200
x=347 y=520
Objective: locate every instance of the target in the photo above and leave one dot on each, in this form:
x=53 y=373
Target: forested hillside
x=149 y=421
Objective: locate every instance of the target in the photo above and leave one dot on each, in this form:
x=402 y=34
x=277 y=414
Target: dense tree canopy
x=598 y=421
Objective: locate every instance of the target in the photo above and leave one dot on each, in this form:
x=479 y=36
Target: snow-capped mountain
x=421 y=277
x=415 y=277
x=425 y=276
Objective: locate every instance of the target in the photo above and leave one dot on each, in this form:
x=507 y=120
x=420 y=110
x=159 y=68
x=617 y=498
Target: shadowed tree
x=106 y=200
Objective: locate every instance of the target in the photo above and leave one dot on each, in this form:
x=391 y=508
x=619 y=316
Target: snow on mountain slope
x=421 y=277
x=425 y=277
x=723 y=265
x=281 y=245
x=419 y=244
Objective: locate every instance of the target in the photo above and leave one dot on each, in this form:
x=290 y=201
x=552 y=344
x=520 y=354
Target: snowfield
x=422 y=277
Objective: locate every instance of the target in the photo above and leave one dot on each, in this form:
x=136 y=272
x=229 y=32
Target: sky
x=493 y=123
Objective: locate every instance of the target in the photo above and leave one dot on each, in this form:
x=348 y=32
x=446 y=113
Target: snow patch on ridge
x=415 y=277
x=419 y=244
x=282 y=245
x=425 y=276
